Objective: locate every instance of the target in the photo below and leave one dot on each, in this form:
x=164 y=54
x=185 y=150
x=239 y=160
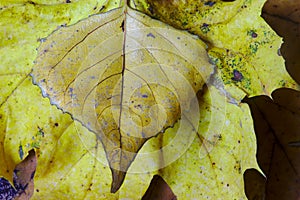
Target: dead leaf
x=283 y=17
x=24 y=176
x=159 y=190
x=69 y=164
x=23 y=180
x=254 y=184
x=126 y=87
x=277 y=125
x=240 y=42
x=7 y=191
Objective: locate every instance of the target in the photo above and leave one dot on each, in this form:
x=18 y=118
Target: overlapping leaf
x=81 y=175
x=240 y=44
x=124 y=76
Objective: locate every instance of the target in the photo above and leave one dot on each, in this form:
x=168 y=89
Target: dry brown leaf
x=23 y=180
x=159 y=190
x=277 y=125
x=284 y=17
x=24 y=177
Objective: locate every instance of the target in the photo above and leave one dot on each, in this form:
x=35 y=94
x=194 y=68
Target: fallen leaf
x=127 y=86
x=7 y=191
x=24 y=176
x=159 y=190
x=224 y=147
x=255 y=184
x=71 y=160
x=23 y=185
x=276 y=125
x=240 y=43
x=283 y=17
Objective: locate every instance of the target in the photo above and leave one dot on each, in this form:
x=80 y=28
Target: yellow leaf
x=241 y=44
x=124 y=76
x=71 y=161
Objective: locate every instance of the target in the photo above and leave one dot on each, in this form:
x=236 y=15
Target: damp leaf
x=124 y=76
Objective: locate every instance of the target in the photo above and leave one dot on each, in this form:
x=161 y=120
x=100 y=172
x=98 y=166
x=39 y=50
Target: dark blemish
x=254 y=35
x=178 y=38
x=37 y=190
x=150 y=35
x=32 y=174
x=122 y=26
x=205 y=25
x=213 y=163
x=41 y=131
x=227 y=185
x=31 y=2
x=102 y=8
x=237 y=76
x=239 y=141
x=150 y=9
x=279 y=52
x=42 y=39
x=21 y=152
x=56 y=124
x=144 y=96
x=68 y=1
x=209 y=3
x=138 y=106
x=205 y=28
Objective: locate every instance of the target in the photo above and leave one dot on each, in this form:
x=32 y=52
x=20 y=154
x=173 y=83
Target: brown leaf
x=24 y=176
x=284 y=17
x=159 y=190
x=23 y=180
x=277 y=125
x=254 y=184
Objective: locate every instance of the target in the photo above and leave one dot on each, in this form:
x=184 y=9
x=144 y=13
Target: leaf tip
x=117 y=180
